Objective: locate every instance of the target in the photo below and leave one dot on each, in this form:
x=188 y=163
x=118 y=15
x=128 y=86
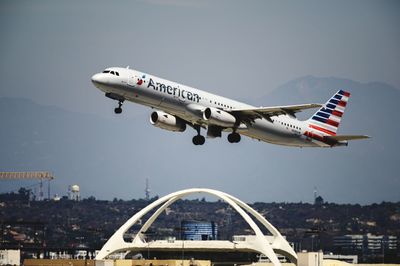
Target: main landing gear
x=234 y=137
x=118 y=110
x=198 y=139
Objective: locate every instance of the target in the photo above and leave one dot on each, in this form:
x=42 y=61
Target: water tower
x=74 y=192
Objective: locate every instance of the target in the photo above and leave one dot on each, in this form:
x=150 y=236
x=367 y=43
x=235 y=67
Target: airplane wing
x=251 y=114
x=347 y=137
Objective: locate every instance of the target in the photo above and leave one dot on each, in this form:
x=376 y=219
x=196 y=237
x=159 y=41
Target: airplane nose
x=96 y=78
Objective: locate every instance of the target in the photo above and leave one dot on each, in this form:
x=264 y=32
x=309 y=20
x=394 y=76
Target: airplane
x=178 y=106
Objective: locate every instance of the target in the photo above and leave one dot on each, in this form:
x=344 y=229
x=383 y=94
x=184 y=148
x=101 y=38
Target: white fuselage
x=187 y=102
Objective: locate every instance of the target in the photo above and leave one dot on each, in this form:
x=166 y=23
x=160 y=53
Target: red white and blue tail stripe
x=326 y=120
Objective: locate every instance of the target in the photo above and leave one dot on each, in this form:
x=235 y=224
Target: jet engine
x=167 y=121
x=219 y=117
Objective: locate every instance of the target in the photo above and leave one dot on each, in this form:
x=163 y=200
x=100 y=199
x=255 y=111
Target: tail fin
x=327 y=119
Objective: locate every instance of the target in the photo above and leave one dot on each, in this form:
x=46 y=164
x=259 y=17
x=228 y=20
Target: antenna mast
x=147 y=190
x=315 y=194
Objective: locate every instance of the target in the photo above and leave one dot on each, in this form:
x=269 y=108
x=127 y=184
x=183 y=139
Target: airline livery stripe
x=345 y=93
x=314 y=136
x=323 y=125
x=333 y=101
x=340 y=108
x=332 y=106
x=337 y=96
x=342 y=103
x=332 y=123
x=326 y=110
x=323 y=120
x=335 y=118
x=337 y=113
x=344 y=98
x=323 y=130
x=326 y=121
x=323 y=114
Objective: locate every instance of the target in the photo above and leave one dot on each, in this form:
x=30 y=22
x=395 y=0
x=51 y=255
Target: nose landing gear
x=118 y=98
x=118 y=110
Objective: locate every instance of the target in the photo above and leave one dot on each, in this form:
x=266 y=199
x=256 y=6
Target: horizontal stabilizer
x=347 y=137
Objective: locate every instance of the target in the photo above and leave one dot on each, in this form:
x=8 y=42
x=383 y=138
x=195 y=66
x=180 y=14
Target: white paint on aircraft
x=178 y=105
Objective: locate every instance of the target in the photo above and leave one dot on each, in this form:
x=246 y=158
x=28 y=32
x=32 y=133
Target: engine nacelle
x=219 y=117
x=167 y=121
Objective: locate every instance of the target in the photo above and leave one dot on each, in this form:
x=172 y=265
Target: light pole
x=147 y=238
x=183 y=244
x=183 y=250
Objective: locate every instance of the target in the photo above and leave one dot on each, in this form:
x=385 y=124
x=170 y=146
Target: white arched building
x=266 y=245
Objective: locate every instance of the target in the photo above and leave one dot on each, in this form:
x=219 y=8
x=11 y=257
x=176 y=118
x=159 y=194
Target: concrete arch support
x=117 y=243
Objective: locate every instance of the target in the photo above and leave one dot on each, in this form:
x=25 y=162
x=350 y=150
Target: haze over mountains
x=112 y=157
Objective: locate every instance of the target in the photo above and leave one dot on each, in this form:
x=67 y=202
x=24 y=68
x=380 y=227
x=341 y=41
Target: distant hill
x=372 y=108
x=112 y=157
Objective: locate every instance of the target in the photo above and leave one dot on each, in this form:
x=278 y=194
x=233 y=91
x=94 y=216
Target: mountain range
x=112 y=156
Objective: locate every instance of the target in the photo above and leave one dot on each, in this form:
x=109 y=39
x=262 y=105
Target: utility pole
x=315 y=194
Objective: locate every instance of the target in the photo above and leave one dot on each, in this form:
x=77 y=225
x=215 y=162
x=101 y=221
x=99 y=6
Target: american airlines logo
x=180 y=93
x=140 y=81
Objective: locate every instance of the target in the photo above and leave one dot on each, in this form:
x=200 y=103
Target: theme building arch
x=267 y=247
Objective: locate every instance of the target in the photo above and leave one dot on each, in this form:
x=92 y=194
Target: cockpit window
x=111 y=72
